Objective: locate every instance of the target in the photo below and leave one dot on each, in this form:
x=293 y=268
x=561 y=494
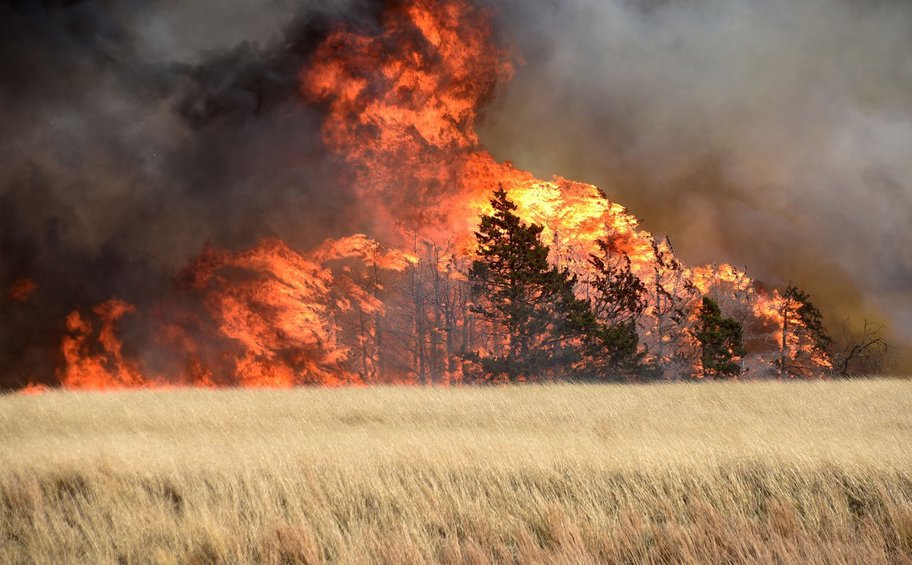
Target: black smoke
x=135 y=132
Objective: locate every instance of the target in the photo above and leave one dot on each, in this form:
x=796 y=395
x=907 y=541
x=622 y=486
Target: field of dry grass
x=758 y=472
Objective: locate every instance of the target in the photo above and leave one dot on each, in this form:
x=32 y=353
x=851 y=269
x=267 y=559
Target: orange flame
x=98 y=365
x=33 y=389
x=401 y=108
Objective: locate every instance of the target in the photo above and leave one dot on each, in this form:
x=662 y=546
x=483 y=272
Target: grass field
x=758 y=472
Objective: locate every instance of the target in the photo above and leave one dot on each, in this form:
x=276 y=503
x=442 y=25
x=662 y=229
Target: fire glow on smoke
x=400 y=108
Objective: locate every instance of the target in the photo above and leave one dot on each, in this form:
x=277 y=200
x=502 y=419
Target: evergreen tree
x=618 y=299
x=804 y=348
x=531 y=302
x=721 y=343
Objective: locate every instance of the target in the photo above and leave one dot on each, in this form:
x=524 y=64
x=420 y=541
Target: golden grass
x=760 y=472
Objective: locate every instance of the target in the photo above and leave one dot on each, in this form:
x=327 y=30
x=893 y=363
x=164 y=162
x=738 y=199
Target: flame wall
x=131 y=142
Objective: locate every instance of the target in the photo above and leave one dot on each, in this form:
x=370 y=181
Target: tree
x=721 y=343
x=672 y=299
x=428 y=329
x=618 y=299
x=530 y=304
x=803 y=341
x=860 y=352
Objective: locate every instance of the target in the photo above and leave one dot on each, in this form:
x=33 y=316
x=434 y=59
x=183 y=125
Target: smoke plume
x=774 y=135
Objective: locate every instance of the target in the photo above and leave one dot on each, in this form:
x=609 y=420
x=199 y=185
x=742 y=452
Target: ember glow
x=22 y=290
x=394 y=306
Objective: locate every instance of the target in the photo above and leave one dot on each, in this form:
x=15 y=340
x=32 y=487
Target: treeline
x=512 y=313
x=612 y=305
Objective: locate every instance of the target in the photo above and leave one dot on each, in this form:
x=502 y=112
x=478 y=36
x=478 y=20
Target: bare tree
x=864 y=352
x=670 y=315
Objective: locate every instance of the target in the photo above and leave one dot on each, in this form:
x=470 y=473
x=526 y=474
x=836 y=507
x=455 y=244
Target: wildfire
x=401 y=107
x=100 y=367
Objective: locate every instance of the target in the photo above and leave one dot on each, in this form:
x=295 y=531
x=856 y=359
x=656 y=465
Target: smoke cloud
x=776 y=135
x=132 y=135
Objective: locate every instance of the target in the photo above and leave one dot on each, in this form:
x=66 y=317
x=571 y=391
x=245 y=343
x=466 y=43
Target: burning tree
x=672 y=301
x=721 y=346
x=803 y=341
x=432 y=317
x=277 y=309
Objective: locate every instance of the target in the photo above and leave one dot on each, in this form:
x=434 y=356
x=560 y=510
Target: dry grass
x=763 y=472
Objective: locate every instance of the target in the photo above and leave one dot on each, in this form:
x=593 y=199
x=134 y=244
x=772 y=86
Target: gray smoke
x=772 y=134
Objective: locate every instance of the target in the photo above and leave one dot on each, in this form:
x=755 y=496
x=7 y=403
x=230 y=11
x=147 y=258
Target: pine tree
x=618 y=299
x=520 y=294
x=721 y=342
x=804 y=348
